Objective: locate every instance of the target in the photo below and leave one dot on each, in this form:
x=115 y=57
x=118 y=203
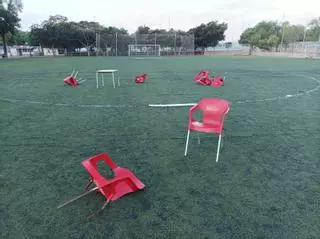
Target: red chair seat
x=205 y=128
x=123 y=182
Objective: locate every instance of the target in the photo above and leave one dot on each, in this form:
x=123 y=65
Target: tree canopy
x=264 y=35
x=209 y=34
x=268 y=34
x=313 y=33
x=9 y=20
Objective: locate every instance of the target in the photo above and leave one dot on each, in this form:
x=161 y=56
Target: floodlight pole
x=175 y=43
x=116 y=43
x=282 y=36
x=193 y=44
x=155 y=42
x=97 y=45
x=304 y=41
x=5 y=49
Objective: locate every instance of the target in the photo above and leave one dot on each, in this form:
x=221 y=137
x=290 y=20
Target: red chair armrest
x=191 y=111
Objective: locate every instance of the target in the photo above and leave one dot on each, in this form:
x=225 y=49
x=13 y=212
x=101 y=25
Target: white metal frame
x=171 y=105
x=112 y=72
x=219 y=141
x=218 y=148
x=134 y=53
x=74 y=73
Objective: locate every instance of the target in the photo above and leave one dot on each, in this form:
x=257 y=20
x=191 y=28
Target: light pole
x=4 y=50
x=282 y=32
x=304 y=41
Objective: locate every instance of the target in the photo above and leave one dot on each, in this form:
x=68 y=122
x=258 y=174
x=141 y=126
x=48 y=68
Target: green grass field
x=266 y=184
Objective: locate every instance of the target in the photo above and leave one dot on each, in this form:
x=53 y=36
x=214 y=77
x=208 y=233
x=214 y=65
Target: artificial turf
x=265 y=185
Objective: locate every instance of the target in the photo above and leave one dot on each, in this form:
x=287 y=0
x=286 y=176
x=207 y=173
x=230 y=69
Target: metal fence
x=169 y=44
x=295 y=49
x=306 y=49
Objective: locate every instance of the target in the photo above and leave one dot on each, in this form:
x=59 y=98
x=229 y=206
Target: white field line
x=64 y=104
x=251 y=101
x=286 y=96
x=172 y=105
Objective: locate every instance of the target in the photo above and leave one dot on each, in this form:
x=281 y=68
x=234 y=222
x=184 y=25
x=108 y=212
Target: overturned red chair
x=202 y=78
x=123 y=182
x=214 y=111
x=141 y=78
x=72 y=79
x=217 y=81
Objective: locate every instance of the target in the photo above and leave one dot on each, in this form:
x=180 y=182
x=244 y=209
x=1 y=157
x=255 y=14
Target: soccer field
x=265 y=185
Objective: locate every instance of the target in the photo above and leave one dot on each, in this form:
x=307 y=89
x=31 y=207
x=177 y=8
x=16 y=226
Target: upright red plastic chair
x=123 y=182
x=141 y=78
x=214 y=111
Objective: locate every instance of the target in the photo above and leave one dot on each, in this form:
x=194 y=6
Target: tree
x=58 y=32
x=5 y=4
x=9 y=20
x=293 y=33
x=19 y=38
x=264 y=35
x=250 y=37
x=313 y=33
x=143 y=30
x=209 y=34
x=114 y=39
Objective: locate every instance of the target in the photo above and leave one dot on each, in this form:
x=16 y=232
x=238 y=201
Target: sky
x=177 y=14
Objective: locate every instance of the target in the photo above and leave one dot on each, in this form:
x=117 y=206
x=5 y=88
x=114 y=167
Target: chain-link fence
x=305 y=49
x=142 y=44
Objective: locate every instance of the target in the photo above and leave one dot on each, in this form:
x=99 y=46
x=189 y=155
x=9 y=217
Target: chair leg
x=218 y=149
x=88 y=184
x=102 y=80
x=222 y=140
x=187 y=143
x=97 y=80
x=98 y=212
x=78 y=197
x=118 y=80
x=114 y=85
x=198 y=138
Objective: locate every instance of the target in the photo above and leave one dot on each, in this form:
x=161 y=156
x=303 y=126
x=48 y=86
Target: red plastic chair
x=202 y=78
x=214 y=111
x=141 y=78
x=123 y=182
x=72 y=80
x=217 y=81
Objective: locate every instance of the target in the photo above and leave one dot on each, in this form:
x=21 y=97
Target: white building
x=25 y=51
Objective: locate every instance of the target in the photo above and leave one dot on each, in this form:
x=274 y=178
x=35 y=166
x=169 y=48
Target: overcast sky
x=183 y=14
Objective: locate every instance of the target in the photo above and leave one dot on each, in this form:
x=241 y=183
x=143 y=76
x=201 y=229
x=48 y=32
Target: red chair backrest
x=201 y=75
x=123 y=182
x=202 y=78
x=213 y=110
x=141 y=78
x=217 y=81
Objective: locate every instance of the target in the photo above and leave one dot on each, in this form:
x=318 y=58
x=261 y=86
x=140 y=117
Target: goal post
x=144 y=50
